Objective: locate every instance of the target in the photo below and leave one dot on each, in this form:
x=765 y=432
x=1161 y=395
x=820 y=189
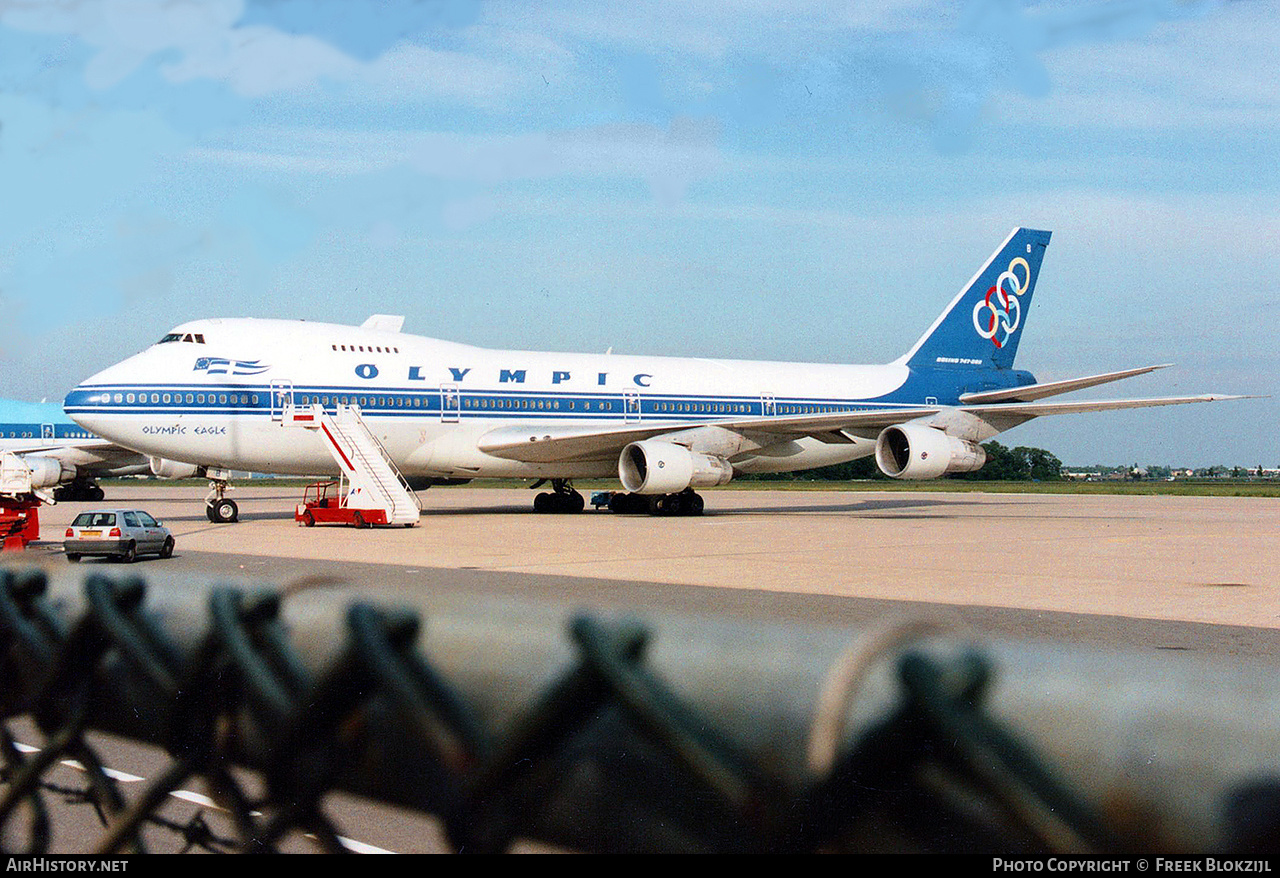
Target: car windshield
x=95 y=519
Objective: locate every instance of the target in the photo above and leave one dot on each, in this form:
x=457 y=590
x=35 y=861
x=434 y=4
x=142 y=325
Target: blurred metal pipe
x=1175 y=753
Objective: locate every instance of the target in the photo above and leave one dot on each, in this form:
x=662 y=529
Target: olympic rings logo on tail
x=1003 y=311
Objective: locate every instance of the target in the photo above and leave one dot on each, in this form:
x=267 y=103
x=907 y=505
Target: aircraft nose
x=86 y=404
x=94 y=401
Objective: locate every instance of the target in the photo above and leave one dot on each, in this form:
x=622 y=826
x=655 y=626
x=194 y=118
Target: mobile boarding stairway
x=372 y=490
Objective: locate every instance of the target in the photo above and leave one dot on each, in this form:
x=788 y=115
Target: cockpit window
x=191 y=337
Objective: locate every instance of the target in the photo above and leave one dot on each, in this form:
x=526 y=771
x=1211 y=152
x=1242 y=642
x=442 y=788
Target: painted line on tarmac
x=350 y=844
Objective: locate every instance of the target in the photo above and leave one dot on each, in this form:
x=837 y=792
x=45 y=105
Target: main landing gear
x=79 y=490
x=219 y=508
x=562 y=498
x=687 y=502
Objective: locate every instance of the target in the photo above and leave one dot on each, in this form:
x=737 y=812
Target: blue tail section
x=982 y=325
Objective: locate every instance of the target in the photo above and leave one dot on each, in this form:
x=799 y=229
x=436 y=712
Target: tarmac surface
x=1190 y=574
x=1190 y=559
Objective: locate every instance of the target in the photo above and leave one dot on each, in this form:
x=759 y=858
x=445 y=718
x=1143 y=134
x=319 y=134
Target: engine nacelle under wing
x=917 y=451
x=656 y=467
x=48 y=471
x=172 y=469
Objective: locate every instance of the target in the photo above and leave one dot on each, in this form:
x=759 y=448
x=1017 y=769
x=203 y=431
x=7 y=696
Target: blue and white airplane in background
x=59 y=454
x=217 y=394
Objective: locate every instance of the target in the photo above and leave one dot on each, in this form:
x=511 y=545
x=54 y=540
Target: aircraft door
x=768 y=408
x=46 y=431
x=631 y=405
x=281 y=399
x=450 y=403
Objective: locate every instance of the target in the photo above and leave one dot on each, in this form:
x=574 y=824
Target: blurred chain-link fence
x=609 y=734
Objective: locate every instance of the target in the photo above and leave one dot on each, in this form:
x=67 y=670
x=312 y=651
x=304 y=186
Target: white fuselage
x=213 y=395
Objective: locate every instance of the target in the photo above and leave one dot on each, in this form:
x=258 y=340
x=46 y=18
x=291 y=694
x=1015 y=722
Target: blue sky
x=757 y=179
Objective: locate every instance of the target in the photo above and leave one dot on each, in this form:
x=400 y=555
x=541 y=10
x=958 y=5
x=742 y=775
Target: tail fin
x=982 y=325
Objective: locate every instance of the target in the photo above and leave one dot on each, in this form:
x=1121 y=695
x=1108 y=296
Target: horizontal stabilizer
x=1035 y=410
x=1028 y=392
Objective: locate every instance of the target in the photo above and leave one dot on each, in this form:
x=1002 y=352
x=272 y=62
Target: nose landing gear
x=219 y=508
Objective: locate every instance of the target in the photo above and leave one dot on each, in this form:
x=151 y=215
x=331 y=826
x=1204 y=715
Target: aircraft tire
x=96 y=494
x=224 y=512
x=73 y=557
x=544 y=502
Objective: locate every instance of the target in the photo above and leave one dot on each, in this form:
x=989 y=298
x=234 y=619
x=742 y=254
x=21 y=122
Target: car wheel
x=73 y=557
x=130 y=554
x=358 y=520
x=308 y=519
x=166 y=551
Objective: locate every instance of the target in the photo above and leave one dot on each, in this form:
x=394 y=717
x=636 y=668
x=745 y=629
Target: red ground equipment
x=19 y=523
x=324 y=503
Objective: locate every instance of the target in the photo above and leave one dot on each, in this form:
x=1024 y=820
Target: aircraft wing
x=94 y=457
x=542 y=443
x=46 y=446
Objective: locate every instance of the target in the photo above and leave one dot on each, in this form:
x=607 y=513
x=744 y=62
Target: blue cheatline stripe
x=607 y=407
x=61 y=430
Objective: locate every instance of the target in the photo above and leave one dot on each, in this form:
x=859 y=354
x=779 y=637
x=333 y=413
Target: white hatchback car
x=117 y=533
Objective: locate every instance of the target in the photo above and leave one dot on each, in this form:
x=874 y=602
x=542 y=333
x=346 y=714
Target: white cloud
x=1215 y=72
x=257 y=60
x=708 y=30
x=668 y=159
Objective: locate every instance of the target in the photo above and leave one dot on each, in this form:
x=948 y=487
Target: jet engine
x=655 y=467
x=917 y=451
x=48 y=471
x=172 y=469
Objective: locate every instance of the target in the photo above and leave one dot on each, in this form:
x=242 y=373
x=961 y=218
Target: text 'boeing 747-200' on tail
x=393 y=412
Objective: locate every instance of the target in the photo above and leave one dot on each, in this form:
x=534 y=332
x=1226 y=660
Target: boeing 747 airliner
x=59 y=455
x=225 y=394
